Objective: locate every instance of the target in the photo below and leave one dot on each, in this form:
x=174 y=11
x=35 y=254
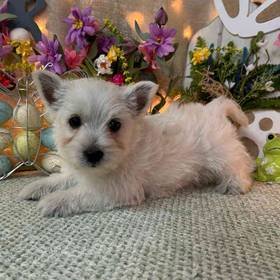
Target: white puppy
x=115 y=155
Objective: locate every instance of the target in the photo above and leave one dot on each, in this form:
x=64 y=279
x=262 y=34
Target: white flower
x=102 y=65
x=262 y=43
x=250 y=68
x=268 y=86
x=20 y=34
x=229 y=85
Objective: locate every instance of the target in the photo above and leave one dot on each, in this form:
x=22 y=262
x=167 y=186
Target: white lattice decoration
x=245 y=23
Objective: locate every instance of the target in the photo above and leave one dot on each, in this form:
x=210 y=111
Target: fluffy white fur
x=150 y=156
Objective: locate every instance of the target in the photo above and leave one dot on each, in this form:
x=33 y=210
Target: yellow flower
x=128 y=80
x=113 y=53
x=23 y=48
x=124 y=65
x=200 y=55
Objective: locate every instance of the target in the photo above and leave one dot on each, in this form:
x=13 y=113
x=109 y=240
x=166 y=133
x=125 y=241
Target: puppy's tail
x=230 y=109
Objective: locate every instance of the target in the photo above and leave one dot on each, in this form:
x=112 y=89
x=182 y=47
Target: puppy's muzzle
x=93 y=156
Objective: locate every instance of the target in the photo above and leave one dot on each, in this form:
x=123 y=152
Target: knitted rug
x=193 y=235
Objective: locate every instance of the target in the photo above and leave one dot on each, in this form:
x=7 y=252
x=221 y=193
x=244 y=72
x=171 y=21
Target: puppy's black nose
x=93 y=156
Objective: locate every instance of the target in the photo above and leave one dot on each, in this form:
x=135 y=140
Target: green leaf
x=276 y=82
x=200 y=43
x=93 y=51
x=6 y=16
x=143 y=36
x=90 y=67
x=254 y=47
x=265 y=103
x=60 y=48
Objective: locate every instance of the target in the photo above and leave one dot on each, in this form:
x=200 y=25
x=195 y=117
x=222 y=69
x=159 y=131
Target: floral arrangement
x=233 y=72
x=98 y=48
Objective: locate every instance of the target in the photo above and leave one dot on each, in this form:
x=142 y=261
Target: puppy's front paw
x=55 y=205
x=34 y=191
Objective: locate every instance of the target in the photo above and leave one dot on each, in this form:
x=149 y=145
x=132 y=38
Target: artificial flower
x=117 y=79
x=103 y=65
x=22 y=65
x=104 y=43
x=229 y=84
x=277 y=43
x=4 y=7
x=250 y=68
x=23 y=48
x=114 y=53
x=161 y=17
x=5 y=49
x=49 y=56
x=268 y=86
x=200 y=55
x=81 y=25
x=161 y=40
x=149 y=53
x=74 y=59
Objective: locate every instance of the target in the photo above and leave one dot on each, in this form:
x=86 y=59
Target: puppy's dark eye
x=114 y=125
x=75 y=121
x=270 y=136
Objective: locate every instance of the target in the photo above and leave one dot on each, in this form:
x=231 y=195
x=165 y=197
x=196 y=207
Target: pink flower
x=149 y=53
x=277 y=43
x=73 y=59
x=117 y=79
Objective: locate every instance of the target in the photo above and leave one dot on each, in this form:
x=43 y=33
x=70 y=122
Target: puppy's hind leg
x=235 y=177
x=46 y=185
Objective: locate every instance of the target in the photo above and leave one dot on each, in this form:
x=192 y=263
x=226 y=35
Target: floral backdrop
x=186 y=16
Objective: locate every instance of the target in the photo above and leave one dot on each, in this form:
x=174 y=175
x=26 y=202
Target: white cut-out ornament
x=245 y=23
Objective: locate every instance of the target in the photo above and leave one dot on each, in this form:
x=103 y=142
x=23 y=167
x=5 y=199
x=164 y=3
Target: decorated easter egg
x=6 y=112
x=49 y=117
x=5 y=165
x=27 y=116
x=51 y=163
x=5 y=138
x=26 y=145
x=20 y=34
x=47 y=138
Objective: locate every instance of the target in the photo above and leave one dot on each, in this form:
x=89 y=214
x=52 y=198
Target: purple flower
x=4 y=7
x=161 y=17
x=3 y=24
x=104 y=43
x=161 y=39
x=4 y=48
x=49 y=55
x=81 y=25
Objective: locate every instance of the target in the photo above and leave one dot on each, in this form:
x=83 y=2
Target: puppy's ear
x=139 y=96
x=48 y=86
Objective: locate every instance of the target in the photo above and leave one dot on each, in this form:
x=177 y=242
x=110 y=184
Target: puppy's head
x=96 y=122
